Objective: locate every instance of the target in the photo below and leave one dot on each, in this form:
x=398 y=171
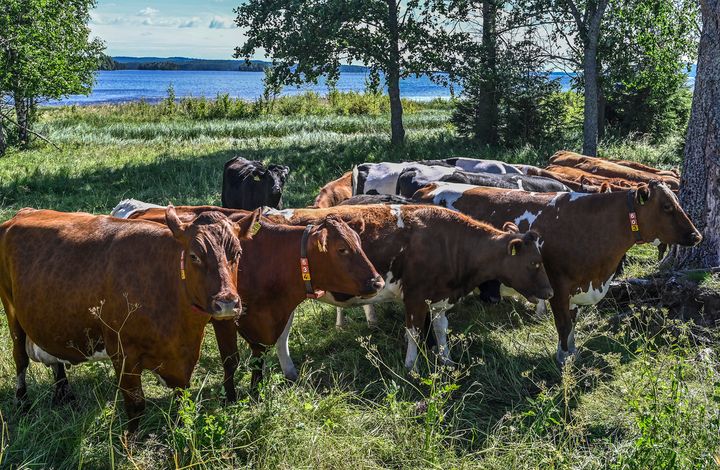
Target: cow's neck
x=483 y=258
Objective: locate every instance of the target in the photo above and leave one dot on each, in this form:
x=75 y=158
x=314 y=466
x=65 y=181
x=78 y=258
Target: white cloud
x=148 y=11
x=221 y=22
x=191 y=23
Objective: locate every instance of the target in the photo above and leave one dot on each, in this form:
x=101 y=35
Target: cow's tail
x=128 y=207
x=354 y=180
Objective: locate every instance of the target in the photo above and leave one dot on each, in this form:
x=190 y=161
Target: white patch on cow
x=529 y=216
x=159 y=378
x=286 y=213
x=396 y=210
x=575 y=196
x=411 y=355
x=557 y=197
x=283 y=351
x=425 y=174
x=540 y=243
x=383 y=177
x=98 y=356
x=562 y=355
x=475 y=165
x=339 y=317
x=592 y=295
x=390 y=293
x=37 y=354
x=447 y=194
x=440 y=327
x=127 y=207
x=656 y=242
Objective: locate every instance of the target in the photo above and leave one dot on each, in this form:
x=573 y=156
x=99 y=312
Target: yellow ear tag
x=256 y=178
x=255 y=228
x=321 y=248
x=513 y=252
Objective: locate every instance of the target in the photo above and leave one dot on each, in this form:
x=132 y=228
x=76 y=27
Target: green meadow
x=643 y=393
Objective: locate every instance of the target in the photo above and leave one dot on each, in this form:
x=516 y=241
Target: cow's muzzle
x=694 y=238
x=226 y=308
x=375 y=285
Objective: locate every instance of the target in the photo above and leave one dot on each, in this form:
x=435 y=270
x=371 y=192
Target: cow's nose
x=695 y=238
x=223 y=308
x=377 y=283
x=546 y=293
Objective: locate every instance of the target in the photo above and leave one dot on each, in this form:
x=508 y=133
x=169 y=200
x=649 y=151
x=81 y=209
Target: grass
x=641 y=394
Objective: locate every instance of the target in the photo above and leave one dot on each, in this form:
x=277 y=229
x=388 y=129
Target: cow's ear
x=531 y=236
x=173 y=222
x=514 y=246
x=249 y=225
x=643 y=194
x=510 y=227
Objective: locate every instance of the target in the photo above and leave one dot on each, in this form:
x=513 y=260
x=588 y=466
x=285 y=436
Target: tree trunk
x=590 y=114
x=393 y=76
x=489 y=110
x=700 y=184
x=3 y=142
x=22 y=114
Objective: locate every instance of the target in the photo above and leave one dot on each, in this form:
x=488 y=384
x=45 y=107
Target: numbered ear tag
x=513 y=252
x=255 y=228
x=182 y=265
x=321 y=248
x=633 y=222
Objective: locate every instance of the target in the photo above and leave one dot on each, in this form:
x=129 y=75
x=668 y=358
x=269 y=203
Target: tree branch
x=40 y=136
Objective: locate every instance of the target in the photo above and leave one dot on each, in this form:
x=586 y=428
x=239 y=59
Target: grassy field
x=642 y=393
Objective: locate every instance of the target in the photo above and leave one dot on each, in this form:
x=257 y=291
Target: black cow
x=413 y=178
x=250 y=184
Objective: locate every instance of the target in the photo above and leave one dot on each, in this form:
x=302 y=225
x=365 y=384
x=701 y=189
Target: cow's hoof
x=291 y=376
x=373 y=325
x=562 y=356
x=63 y=397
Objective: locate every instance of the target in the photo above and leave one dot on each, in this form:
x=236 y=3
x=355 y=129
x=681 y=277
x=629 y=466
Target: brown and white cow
x=335 y=192
x=582 y=236
x=78 y=287
x=431 y=257
x=611 y=169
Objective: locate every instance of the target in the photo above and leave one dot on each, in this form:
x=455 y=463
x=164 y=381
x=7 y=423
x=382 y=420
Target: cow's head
x=338 y=263
x=660 y=216
x=210 y=257
x=272 y=179
x=522 y=266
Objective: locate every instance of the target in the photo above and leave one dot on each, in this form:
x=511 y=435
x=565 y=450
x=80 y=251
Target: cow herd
x=139 y=287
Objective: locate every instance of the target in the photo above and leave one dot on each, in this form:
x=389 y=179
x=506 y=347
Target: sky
x=167 y=28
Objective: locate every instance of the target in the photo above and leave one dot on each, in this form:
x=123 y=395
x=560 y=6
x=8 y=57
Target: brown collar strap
x=634 y=226
x=310 y=293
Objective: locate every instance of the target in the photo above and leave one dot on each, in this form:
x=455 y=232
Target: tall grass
x=643 y=393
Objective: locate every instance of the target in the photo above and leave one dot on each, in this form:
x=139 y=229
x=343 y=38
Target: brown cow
x=582 y=236
x=429 y=254
x=334 y=192
x=78 y=287
x=585 y=178
x=610 y=169
x=573 y=184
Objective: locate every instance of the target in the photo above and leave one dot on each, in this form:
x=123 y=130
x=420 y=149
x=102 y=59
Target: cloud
x=148 y=11
x=221 y=22
x=191 y=23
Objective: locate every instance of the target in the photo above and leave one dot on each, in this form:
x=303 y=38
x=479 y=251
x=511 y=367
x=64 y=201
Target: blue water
x=151 y=85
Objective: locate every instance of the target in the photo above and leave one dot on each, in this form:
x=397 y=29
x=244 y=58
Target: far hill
x=186 y=63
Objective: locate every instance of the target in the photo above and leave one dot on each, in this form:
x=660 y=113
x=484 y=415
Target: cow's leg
x=340 y=320
x=20 y=355
x=257 y=362
x=129 y=371
x=440 y=327
x=62 y=393
x=415 y=316
x=226 y=337
x=541 y=308
x=564 y=323
x=662 y=248
x=283 y=352
x=370 y=315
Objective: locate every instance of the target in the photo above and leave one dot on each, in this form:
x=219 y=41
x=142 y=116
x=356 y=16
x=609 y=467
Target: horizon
x=165 y=28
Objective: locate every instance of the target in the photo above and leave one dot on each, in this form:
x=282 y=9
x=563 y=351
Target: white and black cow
x=381 y=178
x=250 y=184
x=478 y=165
x=413 y=178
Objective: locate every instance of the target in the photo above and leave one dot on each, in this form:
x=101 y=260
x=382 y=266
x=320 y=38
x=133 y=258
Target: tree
x=700 y=185
x=45 y=53
x=307 y=40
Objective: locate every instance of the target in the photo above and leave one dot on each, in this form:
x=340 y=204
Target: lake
x=151 y=85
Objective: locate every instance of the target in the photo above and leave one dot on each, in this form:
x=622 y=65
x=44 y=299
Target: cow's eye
x=194 y=258
x=668 y=207
x=536 y=265
x=343 y=251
